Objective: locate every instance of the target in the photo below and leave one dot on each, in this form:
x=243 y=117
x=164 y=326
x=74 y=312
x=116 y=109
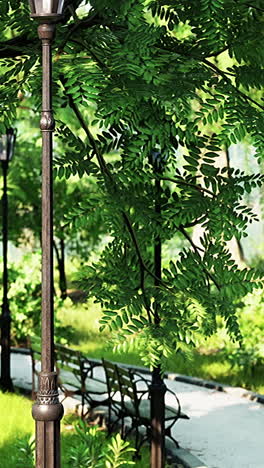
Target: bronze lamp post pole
x=47 y=411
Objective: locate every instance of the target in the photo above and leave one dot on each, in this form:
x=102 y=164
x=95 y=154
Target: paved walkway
x=225 y=430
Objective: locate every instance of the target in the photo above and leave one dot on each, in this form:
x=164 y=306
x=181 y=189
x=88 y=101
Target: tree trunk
x=158 y=388
x=60 y=255
x=240 y=251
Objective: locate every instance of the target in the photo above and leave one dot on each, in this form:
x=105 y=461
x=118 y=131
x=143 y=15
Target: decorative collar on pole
x=46 y=10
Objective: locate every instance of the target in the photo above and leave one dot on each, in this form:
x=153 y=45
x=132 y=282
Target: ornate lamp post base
x=47 y=412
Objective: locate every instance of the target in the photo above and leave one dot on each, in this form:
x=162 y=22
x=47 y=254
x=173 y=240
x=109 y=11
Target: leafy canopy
x=160 y=91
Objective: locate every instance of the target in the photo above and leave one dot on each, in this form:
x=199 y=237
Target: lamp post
x=47 y=410
x=7 y=144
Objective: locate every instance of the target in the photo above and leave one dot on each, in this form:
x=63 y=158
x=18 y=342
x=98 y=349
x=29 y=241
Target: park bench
x=76 y=375
x=129 y=396
x=124 y=392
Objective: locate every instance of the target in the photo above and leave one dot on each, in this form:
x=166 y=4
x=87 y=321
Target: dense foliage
x=25 y=207
x=91 y=449
x=25 y=302
x=78 y=440
x=159 y=91
x=249 y=357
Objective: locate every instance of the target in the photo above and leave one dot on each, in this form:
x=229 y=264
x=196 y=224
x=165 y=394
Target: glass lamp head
x=7 y=145
x=46 y=10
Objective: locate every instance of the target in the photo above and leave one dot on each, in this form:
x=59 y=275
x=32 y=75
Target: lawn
x=17 y=425
x=208 y=361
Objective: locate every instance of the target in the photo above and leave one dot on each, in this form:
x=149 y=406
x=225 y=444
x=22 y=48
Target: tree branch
x=56 y=251
x=79 y=24
x=195 y=222
x=19 y=45
x=110 y=183
x=218 y=52
x=196 y=249
x=254 y=7
x=188 y=184
x=223 y=74
x=22 y=45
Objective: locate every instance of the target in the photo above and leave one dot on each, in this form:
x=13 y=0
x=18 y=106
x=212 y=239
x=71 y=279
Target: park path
x=224 y=430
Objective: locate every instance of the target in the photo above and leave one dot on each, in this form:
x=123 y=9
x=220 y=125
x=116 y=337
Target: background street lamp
x=7 y=144
x=47 y=411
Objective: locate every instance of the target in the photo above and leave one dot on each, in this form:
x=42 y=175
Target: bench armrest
x=88 y=367
x=138 y=378
x=177 y=400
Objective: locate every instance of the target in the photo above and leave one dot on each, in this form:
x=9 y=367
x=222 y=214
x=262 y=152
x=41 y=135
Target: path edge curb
x=210 y=384
x=185 y=458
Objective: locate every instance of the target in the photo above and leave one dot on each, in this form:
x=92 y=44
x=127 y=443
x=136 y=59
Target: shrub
x=95 y=451
x=24 y=453
x=25 y=301
x=91 y=449
x=250 y=354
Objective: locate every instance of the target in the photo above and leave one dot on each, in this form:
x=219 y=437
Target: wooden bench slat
x=132 y=403
x=74 y=374
x=144 y=410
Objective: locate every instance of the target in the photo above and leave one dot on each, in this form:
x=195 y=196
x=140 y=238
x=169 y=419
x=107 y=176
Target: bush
x=24 y=453
x=250 y=354
x=95 y=451
x=25 y=301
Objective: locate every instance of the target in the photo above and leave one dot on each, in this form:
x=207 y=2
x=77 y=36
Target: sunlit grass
x=208 y=362
x=16 y=424
x=82 y=317
x=15 y=416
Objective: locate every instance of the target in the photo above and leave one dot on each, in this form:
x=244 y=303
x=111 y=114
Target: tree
x=70 y=234
x=158 y=77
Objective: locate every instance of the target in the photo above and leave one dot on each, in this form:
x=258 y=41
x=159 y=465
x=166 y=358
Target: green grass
x=16 y=424
x=208 y=362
